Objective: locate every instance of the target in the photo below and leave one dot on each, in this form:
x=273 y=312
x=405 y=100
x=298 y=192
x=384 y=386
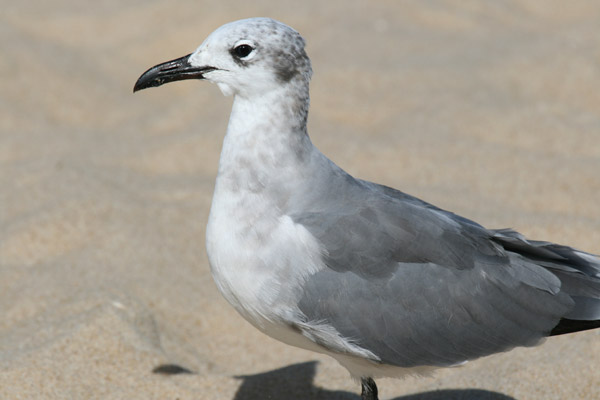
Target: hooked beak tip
x=170 y=71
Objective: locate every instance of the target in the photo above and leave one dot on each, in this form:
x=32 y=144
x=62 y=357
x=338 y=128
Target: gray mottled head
x=252 y=56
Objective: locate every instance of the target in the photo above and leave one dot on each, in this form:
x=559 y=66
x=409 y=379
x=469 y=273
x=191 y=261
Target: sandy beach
x=488 y=109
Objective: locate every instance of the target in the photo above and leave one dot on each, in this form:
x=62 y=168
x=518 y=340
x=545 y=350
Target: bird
x=385 y=283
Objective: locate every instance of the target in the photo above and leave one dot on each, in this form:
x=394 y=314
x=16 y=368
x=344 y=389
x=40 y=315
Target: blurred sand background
x=489 y=109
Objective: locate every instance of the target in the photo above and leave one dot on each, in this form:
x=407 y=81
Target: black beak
x=170 y=71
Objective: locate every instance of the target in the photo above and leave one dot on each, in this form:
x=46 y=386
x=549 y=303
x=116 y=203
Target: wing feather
x=417 y=285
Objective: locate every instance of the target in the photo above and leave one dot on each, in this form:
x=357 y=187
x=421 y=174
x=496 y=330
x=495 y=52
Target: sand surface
x=489 y=109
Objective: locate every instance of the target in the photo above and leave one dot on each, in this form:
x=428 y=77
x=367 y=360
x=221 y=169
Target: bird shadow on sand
x=295 y=382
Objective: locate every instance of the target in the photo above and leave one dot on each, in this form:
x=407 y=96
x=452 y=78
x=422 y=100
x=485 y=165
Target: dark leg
x=369 y=389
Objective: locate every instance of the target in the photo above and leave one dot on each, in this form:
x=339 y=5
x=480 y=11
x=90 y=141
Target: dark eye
x=242 y=50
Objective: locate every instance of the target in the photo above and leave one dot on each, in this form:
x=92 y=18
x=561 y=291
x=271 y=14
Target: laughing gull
x=383 y=282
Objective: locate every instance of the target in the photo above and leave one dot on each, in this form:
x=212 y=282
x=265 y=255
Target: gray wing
x=416 y=285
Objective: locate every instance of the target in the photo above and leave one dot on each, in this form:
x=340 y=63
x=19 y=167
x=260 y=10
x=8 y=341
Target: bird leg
x=369 y=389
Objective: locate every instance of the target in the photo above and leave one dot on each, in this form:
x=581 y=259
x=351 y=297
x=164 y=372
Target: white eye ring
x=243 y=50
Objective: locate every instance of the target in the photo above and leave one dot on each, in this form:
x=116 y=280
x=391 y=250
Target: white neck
x=266 y=143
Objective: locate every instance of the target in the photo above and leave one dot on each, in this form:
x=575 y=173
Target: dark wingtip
x=572 y=325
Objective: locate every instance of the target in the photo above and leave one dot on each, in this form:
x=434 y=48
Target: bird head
x=248 y=58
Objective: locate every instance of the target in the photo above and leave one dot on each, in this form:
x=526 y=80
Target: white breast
x=258 y=256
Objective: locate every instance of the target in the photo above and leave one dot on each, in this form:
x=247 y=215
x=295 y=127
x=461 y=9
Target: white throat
x=266 y=141
x=266 y=156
